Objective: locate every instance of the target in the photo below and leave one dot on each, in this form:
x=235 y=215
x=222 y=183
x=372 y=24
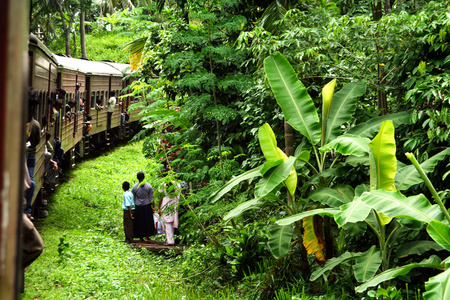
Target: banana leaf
x=432 y=262
x=440 y=233
x=272 y=153
x=268 y=144
x=346 y=191
x=280 y=239
x=234 y=182
x=355 y=211
x=343 y=107
x=314 y=243
x=369 y=128
x=294 y=218
x=325 y=174
x=367 y=265
x=408 y=175
x=438 y=287
x=328 y=197
x=292 y=96
x=269 y=165
x=417 y=248
x=355 y=161
x=348 y=145
x=360 y=189
x=274 y=177
x=327 y=98
x=238 y=210
x=383 y=163
x=394 y=204
x=334 y=262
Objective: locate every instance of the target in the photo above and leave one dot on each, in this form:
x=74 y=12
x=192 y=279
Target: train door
x=13 y=94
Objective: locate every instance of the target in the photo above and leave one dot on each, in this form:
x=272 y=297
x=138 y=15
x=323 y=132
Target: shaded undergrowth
x=83 y=254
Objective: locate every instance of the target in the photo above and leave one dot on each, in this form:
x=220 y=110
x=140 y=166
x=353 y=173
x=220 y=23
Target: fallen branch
x=194 y=274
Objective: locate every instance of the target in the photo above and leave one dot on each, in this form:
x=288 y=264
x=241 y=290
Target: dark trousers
x=143 y=221
x=29 y=193
x=128 y=226
x=108 y=124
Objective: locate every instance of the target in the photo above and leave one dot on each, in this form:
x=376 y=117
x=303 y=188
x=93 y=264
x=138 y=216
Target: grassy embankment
x=84 y=256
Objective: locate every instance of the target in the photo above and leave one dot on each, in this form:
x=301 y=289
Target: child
x=128 y=211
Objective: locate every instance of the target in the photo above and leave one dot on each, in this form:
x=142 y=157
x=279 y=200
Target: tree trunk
x=66 y=29
x=288 y=139
x=48 y=30
x=128 y=4
x=82 y=34
x=377 y=10
x=288 y=146
x=382 y=101
x=387 y=6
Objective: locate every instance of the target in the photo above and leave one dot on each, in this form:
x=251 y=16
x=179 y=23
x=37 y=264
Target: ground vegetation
x=273 y=169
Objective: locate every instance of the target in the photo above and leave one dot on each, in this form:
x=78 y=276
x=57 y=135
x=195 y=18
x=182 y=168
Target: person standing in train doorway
x=33 y=129
x=33 y=132
x=111 y=105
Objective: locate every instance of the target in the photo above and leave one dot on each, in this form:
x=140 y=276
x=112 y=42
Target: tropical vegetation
x=311 y=135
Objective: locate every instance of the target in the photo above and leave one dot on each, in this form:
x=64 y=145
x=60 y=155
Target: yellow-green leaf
x=327 y=97
x=313 y=244
x=383 y=163
x=268 y=144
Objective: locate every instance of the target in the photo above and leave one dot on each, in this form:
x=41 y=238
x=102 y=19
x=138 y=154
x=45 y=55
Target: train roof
x=87 y=67
x=33 y=40
x=123 y=68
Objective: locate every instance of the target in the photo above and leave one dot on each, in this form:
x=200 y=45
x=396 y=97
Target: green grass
x=100 y=46
x=84 y=257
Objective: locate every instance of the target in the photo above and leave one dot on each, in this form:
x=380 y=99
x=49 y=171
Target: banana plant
x=389 y=214
x=315 y=162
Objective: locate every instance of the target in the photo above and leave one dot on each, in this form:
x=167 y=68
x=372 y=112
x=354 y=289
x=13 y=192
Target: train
x=25 y=62
x=89 y=85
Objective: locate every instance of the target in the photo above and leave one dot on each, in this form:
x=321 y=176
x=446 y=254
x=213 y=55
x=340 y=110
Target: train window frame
x=97 y=96
x=93 y=100
x=80 y=100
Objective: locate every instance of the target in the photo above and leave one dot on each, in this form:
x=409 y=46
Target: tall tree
x=84 y=6
x=64 y=7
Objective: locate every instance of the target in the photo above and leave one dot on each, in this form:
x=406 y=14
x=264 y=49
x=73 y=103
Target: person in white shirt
x=111 y=104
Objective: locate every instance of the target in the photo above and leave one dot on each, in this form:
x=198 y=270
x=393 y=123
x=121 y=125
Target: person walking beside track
x=144 y=226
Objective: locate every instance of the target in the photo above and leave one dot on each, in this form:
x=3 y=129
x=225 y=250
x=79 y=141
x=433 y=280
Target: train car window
x=92 y=99
x=81 y=103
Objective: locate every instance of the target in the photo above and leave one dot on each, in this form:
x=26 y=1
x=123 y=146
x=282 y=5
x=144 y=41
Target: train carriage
x=128 y=80
x=96 y=80
x=45 y=72
x=43 y=78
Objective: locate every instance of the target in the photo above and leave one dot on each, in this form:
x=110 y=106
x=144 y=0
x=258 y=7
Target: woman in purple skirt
x=144 y=227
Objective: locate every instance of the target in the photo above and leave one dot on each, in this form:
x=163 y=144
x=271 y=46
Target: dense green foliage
x=209 y=94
